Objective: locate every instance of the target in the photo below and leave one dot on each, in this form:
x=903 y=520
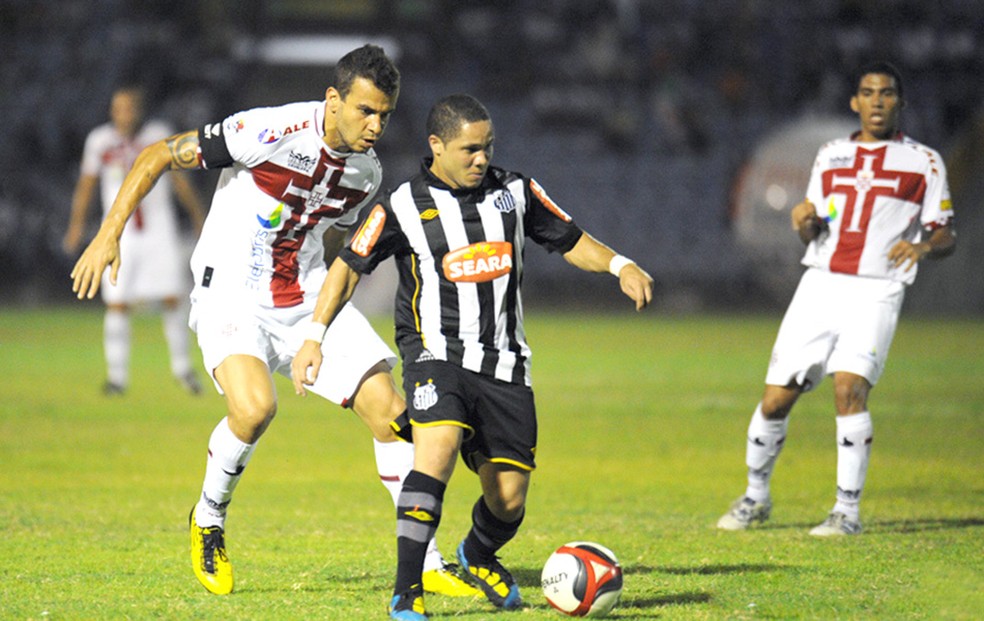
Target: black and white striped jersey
x=459 y=254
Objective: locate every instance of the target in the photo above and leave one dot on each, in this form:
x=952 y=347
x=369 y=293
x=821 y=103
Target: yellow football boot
x=446 y=581
x=208 y=557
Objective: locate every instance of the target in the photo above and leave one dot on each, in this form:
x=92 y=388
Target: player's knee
x=777 y=405
x=851 y=393
x=251 y=414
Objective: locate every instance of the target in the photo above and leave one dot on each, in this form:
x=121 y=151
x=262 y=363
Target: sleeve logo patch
x=547 y=202
x=479 y=262
x=367 y=236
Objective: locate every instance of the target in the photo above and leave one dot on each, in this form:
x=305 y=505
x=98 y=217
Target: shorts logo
x=274 y=220
x=367 y=236
x=479 y=262
x=300 y=162
x=424 y=397
x=505 y=202
x=269 y=136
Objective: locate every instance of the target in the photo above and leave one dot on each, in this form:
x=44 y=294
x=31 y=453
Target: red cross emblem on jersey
x=861 y=185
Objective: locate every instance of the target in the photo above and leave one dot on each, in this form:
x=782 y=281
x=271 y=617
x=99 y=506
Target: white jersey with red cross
x=872 y=195
x=281 y=188
x=109 y=155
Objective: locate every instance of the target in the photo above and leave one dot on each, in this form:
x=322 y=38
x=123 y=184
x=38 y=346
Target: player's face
x=356 y=122
x=126 y=112
x=462 y=161
x=878 y=104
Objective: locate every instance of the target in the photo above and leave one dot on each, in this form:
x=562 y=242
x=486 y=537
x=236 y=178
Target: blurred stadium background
x=680 y=131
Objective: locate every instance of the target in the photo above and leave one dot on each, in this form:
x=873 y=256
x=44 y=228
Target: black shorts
x=499 y=418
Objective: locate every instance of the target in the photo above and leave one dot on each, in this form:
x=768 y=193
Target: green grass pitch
x=641 y=449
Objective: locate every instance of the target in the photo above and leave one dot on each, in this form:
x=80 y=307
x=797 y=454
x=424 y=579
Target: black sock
x=418 y=515
x=488 y=533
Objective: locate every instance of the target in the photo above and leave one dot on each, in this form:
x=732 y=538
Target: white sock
x=394 y=460
x=227 y=458
x=116 y=344
x=854 y=435
x=765 y=441
x=175 y=322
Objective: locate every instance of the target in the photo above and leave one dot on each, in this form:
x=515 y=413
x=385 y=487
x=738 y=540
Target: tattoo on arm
x=184 y=150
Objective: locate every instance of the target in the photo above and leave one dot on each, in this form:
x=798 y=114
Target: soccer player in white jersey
x=877 y=203
x=293 y=180
x=457 y=232
x=156 y=271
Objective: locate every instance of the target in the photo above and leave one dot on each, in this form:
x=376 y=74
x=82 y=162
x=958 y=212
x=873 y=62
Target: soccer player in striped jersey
x=457 y=231
x=294 y=178
x=877 y=203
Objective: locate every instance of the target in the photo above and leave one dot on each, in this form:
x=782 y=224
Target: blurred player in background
x=877 y=203
x=457 y=231
x=156 y=269
x=293 y=180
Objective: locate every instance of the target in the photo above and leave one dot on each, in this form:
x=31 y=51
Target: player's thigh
x=377 y=402
x=250 y=395
x=436 y=449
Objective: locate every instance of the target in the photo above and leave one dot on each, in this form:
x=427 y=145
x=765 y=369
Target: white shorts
x=350 y=348
x=154 y=267
x=835 y=322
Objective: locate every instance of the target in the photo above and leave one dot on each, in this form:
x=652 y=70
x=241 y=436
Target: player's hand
x=306 y=366
x=636 y=284
x=803 y=215
x=805 y=221
x=905 y=251
x=88 y=270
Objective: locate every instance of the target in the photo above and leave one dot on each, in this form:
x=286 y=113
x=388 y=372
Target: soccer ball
x=582 y=579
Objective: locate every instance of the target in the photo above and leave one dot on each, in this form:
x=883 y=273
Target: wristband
x=617 y=263
x=315 y=331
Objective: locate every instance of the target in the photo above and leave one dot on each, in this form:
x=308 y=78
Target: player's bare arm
x=591 y=255
x=333 y=240
x=337 y=289
x=190 y=200
x=179 y=152
x=805 y=221
x=940 y=244
x=81 y=200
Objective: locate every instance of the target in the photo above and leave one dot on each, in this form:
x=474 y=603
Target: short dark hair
x=880 y=67
x=450 y=113
x=369 y=62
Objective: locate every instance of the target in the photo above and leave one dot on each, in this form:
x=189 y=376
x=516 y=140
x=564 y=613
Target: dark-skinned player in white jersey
x=877 y=204
x=457 y=232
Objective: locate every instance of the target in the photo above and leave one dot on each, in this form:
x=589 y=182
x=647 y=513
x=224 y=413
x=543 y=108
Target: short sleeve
x=377 y=238
x=546 y=223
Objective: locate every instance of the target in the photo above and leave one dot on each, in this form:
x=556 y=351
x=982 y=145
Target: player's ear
x=854 y=104
x=333 y=98
x=436 y=144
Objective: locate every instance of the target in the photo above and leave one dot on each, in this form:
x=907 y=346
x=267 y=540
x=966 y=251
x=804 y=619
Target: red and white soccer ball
x=582 y=579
